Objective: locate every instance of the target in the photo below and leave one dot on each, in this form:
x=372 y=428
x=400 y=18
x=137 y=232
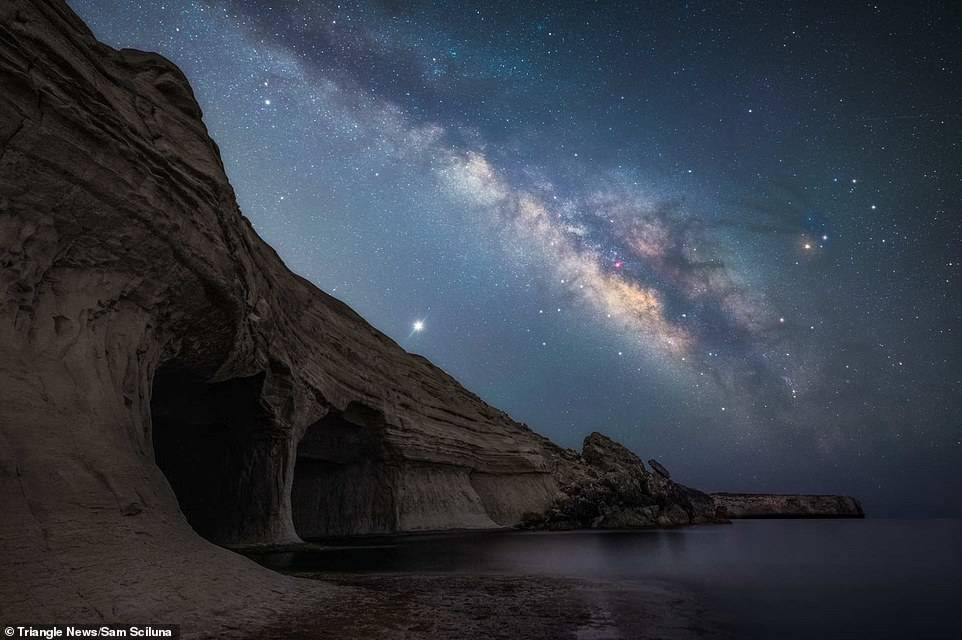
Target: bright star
x=418 y=326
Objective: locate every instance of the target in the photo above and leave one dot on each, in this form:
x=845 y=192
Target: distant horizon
x=728 y=238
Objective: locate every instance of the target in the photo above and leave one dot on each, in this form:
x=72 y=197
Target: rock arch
x=223 y=453
x=343 y=477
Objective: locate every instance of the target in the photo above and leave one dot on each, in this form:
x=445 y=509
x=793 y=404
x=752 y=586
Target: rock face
x=659 y=468
x=769 y=505
x=163 y=374
x=611 y=489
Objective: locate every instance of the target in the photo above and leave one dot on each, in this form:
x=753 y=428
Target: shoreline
x=489 y=603
x=753 y=579
x=456 y=606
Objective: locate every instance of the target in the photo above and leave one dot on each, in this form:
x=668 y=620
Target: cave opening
x=343 y=482
x=223 y=458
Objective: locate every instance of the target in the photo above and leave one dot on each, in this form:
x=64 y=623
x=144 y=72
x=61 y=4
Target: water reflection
x=819 y=578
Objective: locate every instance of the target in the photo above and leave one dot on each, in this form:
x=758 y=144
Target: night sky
x=726 y=234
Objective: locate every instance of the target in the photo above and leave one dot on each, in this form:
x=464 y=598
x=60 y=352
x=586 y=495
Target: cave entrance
x=342 y=485
x=221 y=455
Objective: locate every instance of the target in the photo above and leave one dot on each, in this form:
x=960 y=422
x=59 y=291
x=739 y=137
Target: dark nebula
x=728 y=235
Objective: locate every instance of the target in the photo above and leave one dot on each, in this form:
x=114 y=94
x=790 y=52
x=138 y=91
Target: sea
x=837 y=578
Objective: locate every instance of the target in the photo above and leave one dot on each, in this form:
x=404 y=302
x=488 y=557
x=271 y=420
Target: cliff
x=773 y=505
x=610 y=488
x=164 y=375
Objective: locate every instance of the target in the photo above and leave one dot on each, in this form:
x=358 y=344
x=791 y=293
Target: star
x=472 y=195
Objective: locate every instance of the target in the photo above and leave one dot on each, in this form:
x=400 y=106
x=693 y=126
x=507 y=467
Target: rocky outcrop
x=163 y=374
x=609 y=488
x=773 y=505
x=658 y=468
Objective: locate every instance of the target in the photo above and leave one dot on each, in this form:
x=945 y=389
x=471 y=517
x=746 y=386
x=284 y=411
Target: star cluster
x=729 y=236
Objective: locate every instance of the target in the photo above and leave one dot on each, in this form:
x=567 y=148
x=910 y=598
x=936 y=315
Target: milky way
x=730 y=237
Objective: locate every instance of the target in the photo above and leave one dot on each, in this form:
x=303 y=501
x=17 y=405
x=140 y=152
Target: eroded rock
x=163 y=374
x=773 y=505
x=658 y=468
x=611 y=489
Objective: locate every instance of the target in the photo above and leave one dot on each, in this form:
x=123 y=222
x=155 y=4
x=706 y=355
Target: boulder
x=611 y=488
x=169 y=387
x=655 y=465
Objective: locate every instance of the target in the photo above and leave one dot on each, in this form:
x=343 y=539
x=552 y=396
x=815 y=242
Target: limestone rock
x=630 y=518
x=657 y=466
x=163 y=374
x=604 y=454
x=773 y=505
x=673 y=515
x=611 y=488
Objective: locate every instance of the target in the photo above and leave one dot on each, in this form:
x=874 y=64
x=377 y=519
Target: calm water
x=769 y=578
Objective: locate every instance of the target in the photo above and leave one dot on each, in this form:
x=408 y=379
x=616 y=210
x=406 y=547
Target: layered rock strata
x=164 y=375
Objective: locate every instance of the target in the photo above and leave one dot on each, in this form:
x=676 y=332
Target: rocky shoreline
x=615 y=491
x=168 y=387
x=773 y=505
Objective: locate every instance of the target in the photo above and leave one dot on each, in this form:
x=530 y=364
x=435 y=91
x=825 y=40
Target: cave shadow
x=343 y=478
x=221 y=453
